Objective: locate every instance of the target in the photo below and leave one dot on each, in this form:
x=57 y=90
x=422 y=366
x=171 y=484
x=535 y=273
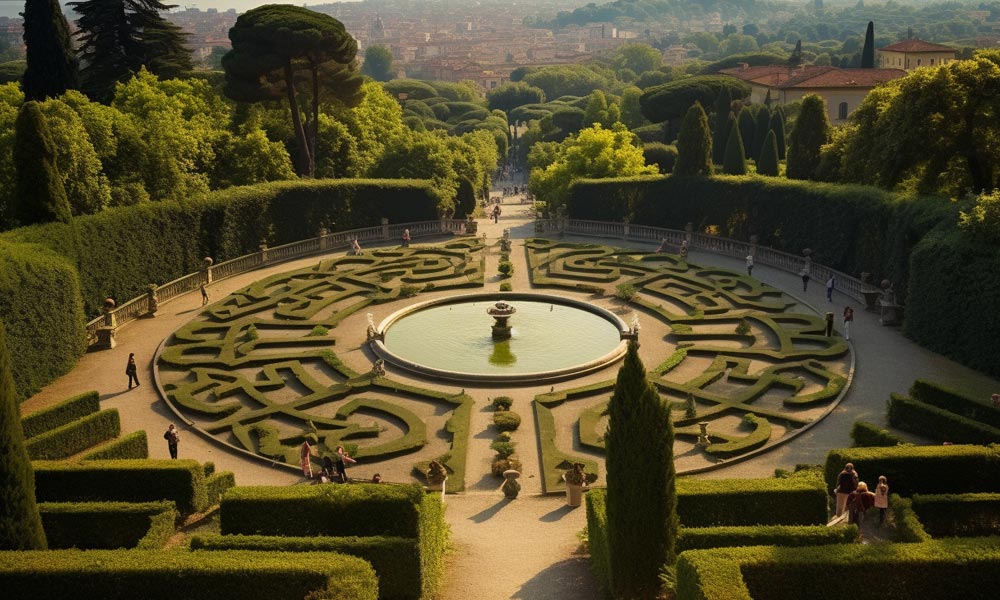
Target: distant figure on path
x=804 y=273
x=829 y=324
x=496 y=213
x=172 y=438
x=130 y=370
x=859 y=501
x=881 y=498
x=355 y=247
x=848 y=318
x=305 y=459
x=750 y=264
x=342 y=456
x=996 y=400
x=830 y=283
x=406 y=238
x=663 y=245
x=847 y=482
x=204 y=294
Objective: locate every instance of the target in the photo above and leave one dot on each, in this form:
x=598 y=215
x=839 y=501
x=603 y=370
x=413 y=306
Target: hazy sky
x=11 y=8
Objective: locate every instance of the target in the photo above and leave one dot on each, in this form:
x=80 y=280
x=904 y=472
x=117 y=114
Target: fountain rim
x=380 y=349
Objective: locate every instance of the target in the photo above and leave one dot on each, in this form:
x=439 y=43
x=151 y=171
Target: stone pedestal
x=106 y=338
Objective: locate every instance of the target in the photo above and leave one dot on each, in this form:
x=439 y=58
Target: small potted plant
x=576 y=480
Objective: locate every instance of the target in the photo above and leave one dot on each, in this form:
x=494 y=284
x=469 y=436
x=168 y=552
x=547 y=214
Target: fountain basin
x=551 y=338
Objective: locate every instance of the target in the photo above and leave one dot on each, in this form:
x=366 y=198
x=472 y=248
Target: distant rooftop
x=915 y=45
x=784 y=77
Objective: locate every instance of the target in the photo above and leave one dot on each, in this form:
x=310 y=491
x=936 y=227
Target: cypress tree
x=778 y=127
x=736 y=161
x=767 y=163
x=761 y=125
x=811 y=131
x=723 y=109
x=20 y=523
x=694 y=144
x=868 y=52
x=796 y=57
x=748 y=123
x=39 y=195
x=642 y=499
x=52 y=64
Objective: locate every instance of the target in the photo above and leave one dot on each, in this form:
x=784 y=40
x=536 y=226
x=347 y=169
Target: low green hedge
x=60 y=414
x=158 y=575
x=865 y=434
x=908 y=525
x=133 y=445
x=597 y=537
x=107 y=525
x=963 y=515
x=76 y=436
x=216 y=484
x=800 y=499
x=181 y=481
x=396 y=560
x=698 y=538
x=937 y=423
x=954 y=401
x=921 y=469
x=935 y=570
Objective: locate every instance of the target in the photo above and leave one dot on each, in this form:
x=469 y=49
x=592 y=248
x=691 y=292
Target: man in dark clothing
x=847 y=482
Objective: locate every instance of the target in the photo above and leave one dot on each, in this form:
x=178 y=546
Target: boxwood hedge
x=696 y=538
x=865 y=434
x=800 y=499
x=936 y=423
x=158 y=575
x=75 y=436
x=951 y=400
x=133 y=445
x=964 y=515
x=60 y=414
x=107 y=525
x=922 y=469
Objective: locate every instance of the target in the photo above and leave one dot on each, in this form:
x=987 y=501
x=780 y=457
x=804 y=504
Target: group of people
x=854 y=497
x=333 y=470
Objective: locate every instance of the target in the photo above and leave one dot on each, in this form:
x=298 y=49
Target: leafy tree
x=737 y=44
x=767 y=162
x=631 y=111
x=40 y=196
x=761 y=126
x=736 y=162
x=637 y=57
x=673 y=99
x=52 y=66
x=811 y=131
x=694 y=144
x=660 y=155
x=249 y=159
x=568 y=80
x=11 y=99
x=777 y=125
x=378 y=63
x=642 y=498
x=868 y=53
x=278 y=46
x=597 y=110
x=87 y=188
x=509 y=96
x=748 y=124
x=982 y=220
x=723 y=109
x=119 y=37
x=20 y=523
x=593 y=154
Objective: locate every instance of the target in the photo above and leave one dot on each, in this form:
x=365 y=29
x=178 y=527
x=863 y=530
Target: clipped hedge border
x=935 y=570
x=937 y=423
x=940 y=396
x=76 y=436
x=396 y=560
x=908 y=525
x=60 y=414
x=699 y=538
x=598 y=537
x=181 y=481
x=922 y=469
x=800 y=499
x=131 y=446
x=961 y=515
x=107 y=525
x=216 y=484
x=865 y=435
x=158 y=575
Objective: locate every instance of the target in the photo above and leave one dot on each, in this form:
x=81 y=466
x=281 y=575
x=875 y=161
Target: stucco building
x=912 y=54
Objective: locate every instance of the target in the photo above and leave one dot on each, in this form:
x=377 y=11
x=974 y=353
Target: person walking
x=830 y=283
x=496 y=213
x=356 y=247
x=847 y=482
x=343 y=457
x=829 y=324
x=406 y=238
x=172 y=437
x=804 y=273
x=881 y=498
x=859 y=501
x=848 y=318
x=204 y=294
x=305 y=459
x=750 y=264
x=130 y=370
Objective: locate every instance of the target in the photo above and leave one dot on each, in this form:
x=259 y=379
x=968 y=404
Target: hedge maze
x=738 y=357
x=259 y=370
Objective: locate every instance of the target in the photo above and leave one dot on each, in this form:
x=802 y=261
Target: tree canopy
x=811 y=131
x=509 y=96
x=672 y=100
x=378 y=63
x=694 y=144
x=52 y=66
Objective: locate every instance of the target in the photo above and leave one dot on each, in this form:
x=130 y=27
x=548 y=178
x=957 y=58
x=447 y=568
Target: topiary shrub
x=506 y=287
x=506 y=268
x=502 y=403
x=506 y=420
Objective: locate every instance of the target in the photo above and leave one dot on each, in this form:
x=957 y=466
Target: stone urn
x=576 y=481
x=437 y=476
x=510 y=488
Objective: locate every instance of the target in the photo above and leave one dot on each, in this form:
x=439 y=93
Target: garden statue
x=575 y=480
x=510 y=486
x=436 y=476
x=378 y=369
x=703 y=441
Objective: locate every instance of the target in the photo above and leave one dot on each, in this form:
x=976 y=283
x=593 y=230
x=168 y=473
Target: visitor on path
x=881 y=498
x=130 y=370
x=406 y=238
x=996 y=400
x=830 y=283
x=343 y=457
x=355 y=247
x=328 y=468
x=804 y=273
x=204 y=294
x=859 y=501
x=663 y=245
x=305 y=459
x=172 y=437
x=847 y=482
x=376 y=478
x=750 y=264
x=829 y=324
x=496 y=213
x=848 y=318
x=684 y=249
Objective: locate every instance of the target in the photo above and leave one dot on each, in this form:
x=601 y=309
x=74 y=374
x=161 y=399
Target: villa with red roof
x=912 y=54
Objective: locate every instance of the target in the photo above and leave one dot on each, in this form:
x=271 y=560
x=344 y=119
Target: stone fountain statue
x=501 y=312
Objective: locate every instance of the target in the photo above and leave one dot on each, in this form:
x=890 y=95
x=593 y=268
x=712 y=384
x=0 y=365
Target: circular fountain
x=551 y=338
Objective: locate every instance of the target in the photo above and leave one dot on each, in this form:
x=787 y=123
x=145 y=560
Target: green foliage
x=505 y=268
x=20 y=525
x=641 y=502
x=572 y=80
x=811 y=131
x=133 y=445
x=982 y=220
x=735 y=161
x=506 y=420
x=319 y=331
x=694 y=145
x=762 y=124
x=954 y=401
x=181 y=481
x=767 y=161
x=909 y=529
x=778 y=127
x=216 y=485
x=671 y=100
x=743 y=327
x=502 y=403
x=509 y=96
x=957 y=469
x=597 y=538
x=868 y=52
x=108 y=525
x=378 y=63
x=626 y=292
x=698 y=538
x=660 y=155
x=39 y=193
x=865 y=434
x=503 y=447
x=638 y=58
x=60 y=414
x=506 y=286
x=396 y=560
x=720 y=133
x=747 y=124
x=800 y=499
x=958 y=515
x=52 y=66
x=159 y=575
x=75 y=437
x=938 y=423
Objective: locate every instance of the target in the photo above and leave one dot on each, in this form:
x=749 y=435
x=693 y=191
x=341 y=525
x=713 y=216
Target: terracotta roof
x=770 y=75
x=916 y=46
x=839 y=78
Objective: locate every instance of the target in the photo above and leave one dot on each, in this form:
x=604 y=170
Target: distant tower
x=378 y=28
